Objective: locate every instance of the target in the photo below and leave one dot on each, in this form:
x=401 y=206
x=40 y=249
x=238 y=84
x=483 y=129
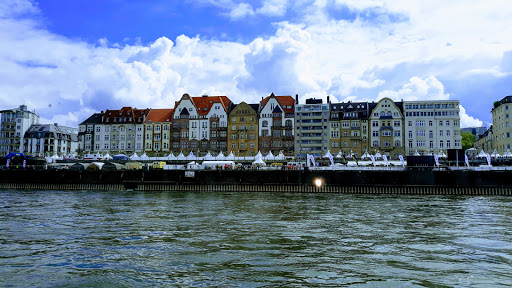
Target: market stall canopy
x=230 y=156
x=181 y=156
x=269 y=156
x=144 y=157
x=209 y=157
x=134 y=157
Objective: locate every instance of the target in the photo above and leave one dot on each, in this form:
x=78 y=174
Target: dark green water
x=135 y=239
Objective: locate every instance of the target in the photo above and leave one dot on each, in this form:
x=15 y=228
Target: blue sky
x=69 y=58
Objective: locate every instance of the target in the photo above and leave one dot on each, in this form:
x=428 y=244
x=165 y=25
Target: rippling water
x=136 y=239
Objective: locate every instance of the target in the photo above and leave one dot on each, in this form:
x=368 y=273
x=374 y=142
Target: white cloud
x=468 y=121
x=354 y=58
x=240 y=11
x=273 y=8
x=428 y=88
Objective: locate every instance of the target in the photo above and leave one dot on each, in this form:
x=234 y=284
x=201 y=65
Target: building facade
x=157 y=132
x=386 y=128
x=199 y=124
x=432 y=126
x=276 y=123
x=312 y=131
x=50 y=139
x=502 y=125
x=348 y=128
x=14 y=123
x=87 y=142
x=243 y=129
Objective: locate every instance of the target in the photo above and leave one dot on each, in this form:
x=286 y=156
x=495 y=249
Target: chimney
x=296 y=99
x=328 y=102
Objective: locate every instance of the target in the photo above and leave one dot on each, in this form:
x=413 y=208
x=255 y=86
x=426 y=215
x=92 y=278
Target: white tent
x=416 y=153
x=269 y=156
x=144 y=157
x=280 y=156
x=209 y=157
x=495 y=154
x=220 y=156
x=328 y=154
x=364 y=156
x=481 y=154
x=258 y=161
x=441 y=154
x=107 y=157
x=258 y=155
x=191 y=156
x=508 y=153
x=134 y=157
x=377 y=155
x=339 y=156
x=181 y=157
x=171 y=157
x=231 y=156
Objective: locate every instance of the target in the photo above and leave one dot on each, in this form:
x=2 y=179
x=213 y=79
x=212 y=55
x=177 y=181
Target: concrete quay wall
x=411 y=181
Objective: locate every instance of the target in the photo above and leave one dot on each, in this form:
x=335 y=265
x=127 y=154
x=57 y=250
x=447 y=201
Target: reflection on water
x=136 y=239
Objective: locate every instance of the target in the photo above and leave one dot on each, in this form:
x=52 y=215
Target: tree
x=468 y=139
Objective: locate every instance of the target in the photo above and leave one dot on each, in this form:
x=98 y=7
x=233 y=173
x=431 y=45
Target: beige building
x=243 y=129
x=157 y=132
x=386 y=128
x=502 y=125
x=348 y=128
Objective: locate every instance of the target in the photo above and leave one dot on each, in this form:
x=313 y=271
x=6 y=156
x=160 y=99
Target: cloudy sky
x=68 y=59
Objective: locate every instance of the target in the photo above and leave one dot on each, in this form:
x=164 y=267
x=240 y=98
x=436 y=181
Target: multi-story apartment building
x=432 y=126
x=312 y=131
x=200 y=124
x=87 y=140
x=49 y=139
x=348 y=128
x=243 y=129
x=157 y=128
x=386 y=128
x=276 y=124
x=122 y=131
x=15 y=122
x=485 y=141
x=502 y=124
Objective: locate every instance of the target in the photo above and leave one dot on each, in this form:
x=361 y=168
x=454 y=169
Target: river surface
x=171 y=239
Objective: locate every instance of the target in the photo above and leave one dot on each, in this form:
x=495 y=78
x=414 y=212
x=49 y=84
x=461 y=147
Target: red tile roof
x=205 y=103
x=125 y=115
x=284 y=101
x=159 y=115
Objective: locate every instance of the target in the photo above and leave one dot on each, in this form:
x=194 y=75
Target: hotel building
x=432 y=126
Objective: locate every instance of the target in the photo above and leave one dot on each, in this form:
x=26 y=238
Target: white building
x=276 y=124
x=50 y=139
x=15 y=122
x=432 y=126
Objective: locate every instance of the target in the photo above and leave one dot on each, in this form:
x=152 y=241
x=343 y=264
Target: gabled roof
x=93 y=119
x=277 y=110
x=125 y=114
x=204 y=103
x=159 y=115
x=286 y=102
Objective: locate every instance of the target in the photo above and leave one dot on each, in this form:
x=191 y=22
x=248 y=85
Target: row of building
x=497 y=137
x=277 y=123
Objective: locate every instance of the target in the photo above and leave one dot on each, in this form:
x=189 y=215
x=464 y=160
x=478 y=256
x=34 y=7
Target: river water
x=170 y=239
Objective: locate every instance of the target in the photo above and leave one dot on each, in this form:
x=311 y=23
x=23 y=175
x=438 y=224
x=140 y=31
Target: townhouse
x=386 y=130
x=243 y=129
x=49 y=139
x=502 y=125
x=276 y=124
x=348 y=128
x=157 y=132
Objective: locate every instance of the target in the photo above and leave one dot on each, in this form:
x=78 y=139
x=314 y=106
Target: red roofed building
x=157 y=132
x=200 y=124
x=276 y=122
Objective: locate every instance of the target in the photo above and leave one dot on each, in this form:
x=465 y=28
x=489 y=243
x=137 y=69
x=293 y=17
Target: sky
x=67 y=59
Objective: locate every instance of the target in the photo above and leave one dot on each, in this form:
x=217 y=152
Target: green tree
x=468 y=139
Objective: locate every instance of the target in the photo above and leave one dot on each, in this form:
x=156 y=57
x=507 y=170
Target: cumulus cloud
x=428 y=88
x=468 y=121
x=322 y=53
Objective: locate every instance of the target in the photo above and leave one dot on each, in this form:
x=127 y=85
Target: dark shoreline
x=408 y=181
